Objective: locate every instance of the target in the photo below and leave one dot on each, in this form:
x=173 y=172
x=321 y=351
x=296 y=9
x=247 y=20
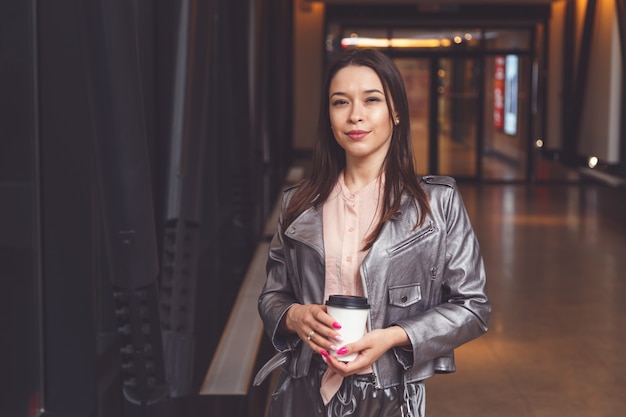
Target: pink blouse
x=347 y=220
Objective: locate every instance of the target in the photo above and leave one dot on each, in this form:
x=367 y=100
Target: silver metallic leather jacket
x=430 y=281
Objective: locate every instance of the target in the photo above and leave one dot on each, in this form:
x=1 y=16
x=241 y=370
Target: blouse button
x=351 y=229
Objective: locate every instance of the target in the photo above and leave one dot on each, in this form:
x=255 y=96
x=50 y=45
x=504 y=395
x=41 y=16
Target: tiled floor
x=556 y=262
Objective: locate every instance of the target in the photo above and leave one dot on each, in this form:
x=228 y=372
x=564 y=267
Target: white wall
x=600 y=128
x=554 y=83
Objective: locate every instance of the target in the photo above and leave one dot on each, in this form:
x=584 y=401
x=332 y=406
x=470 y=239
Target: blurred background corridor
x=144 y=145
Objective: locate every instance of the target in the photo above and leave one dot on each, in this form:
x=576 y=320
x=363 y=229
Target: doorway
x=472 y=99
x=463 y=125
x=444 y=104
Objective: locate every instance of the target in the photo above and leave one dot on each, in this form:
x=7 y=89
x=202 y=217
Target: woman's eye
x=372 y=99
x=339 y=102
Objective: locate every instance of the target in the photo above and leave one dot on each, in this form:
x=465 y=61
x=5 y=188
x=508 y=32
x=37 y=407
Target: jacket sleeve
x=277 y=294
x=464 y=310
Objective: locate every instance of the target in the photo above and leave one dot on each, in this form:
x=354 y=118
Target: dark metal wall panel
x=184 y=186
x=19 y=263
x=68 y=222
x=104 y=94
x=113 y=45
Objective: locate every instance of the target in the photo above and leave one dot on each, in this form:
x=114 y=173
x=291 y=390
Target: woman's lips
x=357 y=134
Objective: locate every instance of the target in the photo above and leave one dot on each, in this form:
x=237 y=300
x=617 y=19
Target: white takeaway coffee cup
x=351 y=313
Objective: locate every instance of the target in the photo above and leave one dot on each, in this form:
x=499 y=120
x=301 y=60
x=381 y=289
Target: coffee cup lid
x=347 y=301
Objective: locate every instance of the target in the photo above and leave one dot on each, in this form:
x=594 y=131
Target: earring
x=396 y=122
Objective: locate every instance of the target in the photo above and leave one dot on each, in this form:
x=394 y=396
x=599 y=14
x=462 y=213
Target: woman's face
x=359 y=116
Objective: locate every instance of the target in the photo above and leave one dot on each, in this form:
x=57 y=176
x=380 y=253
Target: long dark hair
x=330 y=159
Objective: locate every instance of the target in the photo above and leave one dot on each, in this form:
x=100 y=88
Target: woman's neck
x=357 y=177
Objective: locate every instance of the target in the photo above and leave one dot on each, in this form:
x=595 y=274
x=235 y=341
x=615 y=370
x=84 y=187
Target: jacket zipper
x=431 y=283
x=431 y=228
x=375 y=372
x=369 y=322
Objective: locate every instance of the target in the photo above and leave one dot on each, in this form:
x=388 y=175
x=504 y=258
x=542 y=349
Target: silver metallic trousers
x=357 y=397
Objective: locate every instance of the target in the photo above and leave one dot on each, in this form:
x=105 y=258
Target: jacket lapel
x=307 y=229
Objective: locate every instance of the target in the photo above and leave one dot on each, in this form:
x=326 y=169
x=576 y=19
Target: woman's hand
x=370 y=347
x=314 y=326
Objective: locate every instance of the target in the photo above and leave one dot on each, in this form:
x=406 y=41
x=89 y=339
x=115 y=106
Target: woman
x=365 y=224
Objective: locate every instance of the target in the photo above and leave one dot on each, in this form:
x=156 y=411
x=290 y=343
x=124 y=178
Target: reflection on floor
x=555 y=256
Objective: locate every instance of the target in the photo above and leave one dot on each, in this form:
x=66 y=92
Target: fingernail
x=324 y=359
x=338 y=338
x=342 y=351
x=323 y=353
x=333 y=347
x=336 y=325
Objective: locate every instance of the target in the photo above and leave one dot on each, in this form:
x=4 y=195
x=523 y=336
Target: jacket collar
x=307 y=227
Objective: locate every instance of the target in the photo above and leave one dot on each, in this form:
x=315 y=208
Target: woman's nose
x=356 y=115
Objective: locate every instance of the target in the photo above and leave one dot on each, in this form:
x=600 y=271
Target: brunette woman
x=364 y=224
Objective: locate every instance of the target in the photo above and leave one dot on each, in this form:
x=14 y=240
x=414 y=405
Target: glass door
x=457 y=117
x=443 y=104
x=416 y=73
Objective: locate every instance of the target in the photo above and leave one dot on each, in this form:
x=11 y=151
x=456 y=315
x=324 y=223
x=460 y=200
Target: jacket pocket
x=405 y=295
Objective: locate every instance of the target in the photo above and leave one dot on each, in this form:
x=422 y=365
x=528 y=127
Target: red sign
x=498 y=93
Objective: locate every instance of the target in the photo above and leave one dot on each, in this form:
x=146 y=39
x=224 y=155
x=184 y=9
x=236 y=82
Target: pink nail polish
x=342 y=351
x=336 y=325
x=323 y=353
